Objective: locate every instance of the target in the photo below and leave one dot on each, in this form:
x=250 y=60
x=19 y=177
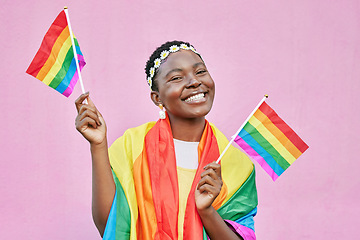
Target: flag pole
x=241 y=127
x=74 y=49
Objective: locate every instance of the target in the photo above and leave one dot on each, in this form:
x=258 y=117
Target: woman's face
x=186 y=88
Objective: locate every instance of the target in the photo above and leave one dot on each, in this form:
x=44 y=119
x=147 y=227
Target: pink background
x=304 y=54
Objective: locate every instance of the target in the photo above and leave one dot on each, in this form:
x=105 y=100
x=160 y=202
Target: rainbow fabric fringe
x=54 y=63
x=270 y=141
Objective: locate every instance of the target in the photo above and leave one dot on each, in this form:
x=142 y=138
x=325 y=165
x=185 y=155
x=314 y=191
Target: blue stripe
x=110 y=229
x=66 y=81
x=78 y=51
x=248 y=219
x=261 y=151
x=69 y=75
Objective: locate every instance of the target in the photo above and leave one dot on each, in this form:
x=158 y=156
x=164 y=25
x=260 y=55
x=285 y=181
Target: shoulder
x=236 y=167
x=233 y=152
x=135 y=133
x=131 y=142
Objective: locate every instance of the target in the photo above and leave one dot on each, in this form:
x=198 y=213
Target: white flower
x=157 y=63
x=193 y=49
x=152 y=72
x=164 y=54
x=149 y=81
x=184 y=46
x=174 y=48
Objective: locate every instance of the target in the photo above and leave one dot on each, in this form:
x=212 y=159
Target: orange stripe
x=221 y=197
x=147 y=223
x=164 y=183
x=54 y=54
x=283 y=127
x=278 y=134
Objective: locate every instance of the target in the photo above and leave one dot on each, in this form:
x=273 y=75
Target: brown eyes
x=175 y=78
x=201 y=71
x=178 y=78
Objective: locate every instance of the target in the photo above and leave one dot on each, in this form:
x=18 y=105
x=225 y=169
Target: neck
x=189 y=130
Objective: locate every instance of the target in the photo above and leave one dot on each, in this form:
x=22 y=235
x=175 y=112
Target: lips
x=195 y=97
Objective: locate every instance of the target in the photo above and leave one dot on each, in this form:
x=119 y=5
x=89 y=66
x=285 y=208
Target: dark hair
x=155 y=55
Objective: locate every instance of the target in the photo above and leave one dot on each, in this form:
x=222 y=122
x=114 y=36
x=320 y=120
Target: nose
x=193 y=82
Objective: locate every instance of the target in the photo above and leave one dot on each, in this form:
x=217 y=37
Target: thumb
x=90 y=102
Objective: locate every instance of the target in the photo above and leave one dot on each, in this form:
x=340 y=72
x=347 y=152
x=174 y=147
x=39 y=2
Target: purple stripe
x=245 y=232
x=254 y=155
x=75 y=78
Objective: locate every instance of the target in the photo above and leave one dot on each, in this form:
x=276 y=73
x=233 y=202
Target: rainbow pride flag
x=267 y=139
x=54 y=63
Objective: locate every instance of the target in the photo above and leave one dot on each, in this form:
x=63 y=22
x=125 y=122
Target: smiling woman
x=186 y=90
x=160 y=180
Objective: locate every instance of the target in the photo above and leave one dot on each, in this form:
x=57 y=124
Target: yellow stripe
x=122 y=153
x=185 y=177
x=272 y=140
x=235 y=165
x=58 y=62
x=278 y=134
x=53 y=54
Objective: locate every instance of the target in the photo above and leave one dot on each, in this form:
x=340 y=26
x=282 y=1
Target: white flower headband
x=163 y=55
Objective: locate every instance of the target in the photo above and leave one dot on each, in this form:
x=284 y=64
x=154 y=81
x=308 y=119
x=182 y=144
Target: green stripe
x=123 y=217
x=65 y=67
x=266 y=145
x=76 y=42
x=63 y=70
x=204 y=234
x=242 y=202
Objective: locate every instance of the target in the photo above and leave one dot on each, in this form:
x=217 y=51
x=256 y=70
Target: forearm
x=103 y=186
x=215 y=226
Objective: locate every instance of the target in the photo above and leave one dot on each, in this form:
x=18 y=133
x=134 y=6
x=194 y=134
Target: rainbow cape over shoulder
x=146 y=202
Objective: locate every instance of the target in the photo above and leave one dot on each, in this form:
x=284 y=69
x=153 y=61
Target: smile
x=195 y=97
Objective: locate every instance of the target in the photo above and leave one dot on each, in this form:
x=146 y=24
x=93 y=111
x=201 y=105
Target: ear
x=155 y=97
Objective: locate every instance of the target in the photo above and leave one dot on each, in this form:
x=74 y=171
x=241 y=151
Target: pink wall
x=304 y=54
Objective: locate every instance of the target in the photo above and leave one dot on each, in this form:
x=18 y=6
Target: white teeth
x=195 y=97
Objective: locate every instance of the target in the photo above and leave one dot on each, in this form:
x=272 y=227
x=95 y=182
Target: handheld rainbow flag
x=55 y=63
x=266 y=138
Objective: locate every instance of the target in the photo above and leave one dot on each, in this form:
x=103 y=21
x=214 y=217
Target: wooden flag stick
x=241 y=127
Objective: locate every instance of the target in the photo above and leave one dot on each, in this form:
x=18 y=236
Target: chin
x=200 y=114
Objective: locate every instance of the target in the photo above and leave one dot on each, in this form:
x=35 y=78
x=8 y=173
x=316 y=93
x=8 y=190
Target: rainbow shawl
x=146 y=201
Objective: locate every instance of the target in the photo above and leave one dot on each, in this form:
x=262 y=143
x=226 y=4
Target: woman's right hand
x=89 y=121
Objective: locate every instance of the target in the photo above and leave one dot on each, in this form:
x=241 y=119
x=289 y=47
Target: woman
x=160 y=180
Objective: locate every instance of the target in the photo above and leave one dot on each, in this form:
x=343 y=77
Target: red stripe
x=48 y=42
x=282 y=126
x=162 y=167
x=208 y=152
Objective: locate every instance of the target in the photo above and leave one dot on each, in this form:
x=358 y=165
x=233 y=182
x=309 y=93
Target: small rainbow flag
x=54 y=63
x=270 y=141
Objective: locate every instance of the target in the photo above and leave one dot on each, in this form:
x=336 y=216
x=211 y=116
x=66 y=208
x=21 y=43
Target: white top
x=186 y=154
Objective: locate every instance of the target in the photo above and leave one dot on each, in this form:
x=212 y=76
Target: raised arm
x=90 y=123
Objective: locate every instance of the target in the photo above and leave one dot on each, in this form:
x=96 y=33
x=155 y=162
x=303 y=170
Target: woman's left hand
x=209 y=186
